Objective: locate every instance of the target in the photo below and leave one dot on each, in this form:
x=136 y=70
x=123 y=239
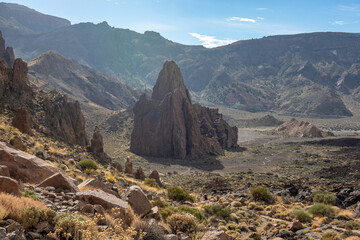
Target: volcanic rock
x=17 y=143
x=4 y=171
x=22 y=166
x=9 y=185
x=22 y=121
x=59 y=181
x=6 y=54
x=129 y=167
x=137 y=200
x=102 y=198
x=215 y=235
x=139 y=174
x=155 y=175
x=295 y=128
x=96 y=183
x=168 y=125
x=97 y=146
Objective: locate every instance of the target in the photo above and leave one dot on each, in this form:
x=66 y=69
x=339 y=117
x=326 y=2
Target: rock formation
x=295 y=128
x=155 y=175
x=139 y=174
x=6 y=54
x=129 y=167
x=22 y=121
x=168 y=124
x=97 y=146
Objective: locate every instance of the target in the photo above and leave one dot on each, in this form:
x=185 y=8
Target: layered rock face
x=168 y=124
x=295 y=128
x=6 y=53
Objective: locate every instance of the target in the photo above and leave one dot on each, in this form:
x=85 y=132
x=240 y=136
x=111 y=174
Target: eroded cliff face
x=50 y=110
x=168 y=124
x=7 y=54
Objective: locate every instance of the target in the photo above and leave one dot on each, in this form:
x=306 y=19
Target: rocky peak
x=170 y=79
x=6 y=54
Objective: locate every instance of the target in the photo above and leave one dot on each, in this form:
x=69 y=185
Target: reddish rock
x=137 y=200
x=4 y=171
x=97 y=147
x=22 y=121
x=96 y=183
x=17 y=143
x=139 y=174
x=129 y=167
x=155 y=175
x=168 y=125
x=23 y=166
x=59 y=181
x=295 y=128
x=106 y=200
x=9 y=185
x=215 y=235
x=116 y=165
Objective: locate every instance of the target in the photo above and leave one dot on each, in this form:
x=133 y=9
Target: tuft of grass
x=30 y=194
x=223 y=212
x=151 y=182
x=324 y=197
x=302 y=216
x=179 y=194
x=262 y=193
x=352 y=225
x=88 y=164
x=192 y=210
x=322 y=210
x=33 y=215
x=329 y=236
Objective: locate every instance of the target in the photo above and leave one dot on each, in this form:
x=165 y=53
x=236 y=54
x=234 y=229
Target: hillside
x=299 y=75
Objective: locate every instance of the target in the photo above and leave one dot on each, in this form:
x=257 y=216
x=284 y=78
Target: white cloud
x=242 y=19
x=210 y=41
x=261 y=9
x=339 y=23
x=260 y=18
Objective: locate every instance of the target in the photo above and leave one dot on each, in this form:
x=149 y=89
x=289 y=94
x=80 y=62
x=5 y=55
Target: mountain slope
x=52 y=71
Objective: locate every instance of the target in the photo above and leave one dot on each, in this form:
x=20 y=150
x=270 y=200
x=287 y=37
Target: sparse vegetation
x=262 y=193
x=301 y=215
x=151 y=182
x=329 y=236
x=324 y=197
x=30 y=194
x=220 y=211
x=179 y=194
x=88 y=164
x=322 y=210
x=183 y=222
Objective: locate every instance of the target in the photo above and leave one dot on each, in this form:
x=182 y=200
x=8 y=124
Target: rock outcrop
x=22 y=166
x=168 y=124
x=9 y=185
x=139 y=174
x=97 y=184
x=295 y=128
x=22 y=121
x=155 y=175
x=97 y=147
x=129 y=167
x=106 y=200
x=60 y=182
x=137 y=200
x=6 y=54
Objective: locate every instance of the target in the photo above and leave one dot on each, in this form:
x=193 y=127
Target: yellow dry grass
x=13 y=205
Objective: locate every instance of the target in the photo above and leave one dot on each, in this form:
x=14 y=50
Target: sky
x=210 y=23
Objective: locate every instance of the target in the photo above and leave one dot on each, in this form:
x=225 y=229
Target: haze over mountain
x=304 y=74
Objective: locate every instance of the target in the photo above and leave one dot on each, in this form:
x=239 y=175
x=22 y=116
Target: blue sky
x=210 y=22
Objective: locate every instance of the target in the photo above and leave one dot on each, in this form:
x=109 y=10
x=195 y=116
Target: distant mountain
x=303 y=74
x=52 y=71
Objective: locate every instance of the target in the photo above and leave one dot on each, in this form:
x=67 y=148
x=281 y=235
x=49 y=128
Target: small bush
x=68 y=225
x=179 y=194
x=302 y=216
x=322 y=210
x=33 y=215
x=167 y=211
x=30 y=194
x=152 y=232
x=183 y=222
x=329 y=236
x=88 y=164
x=192 y=210
x=151 y=182
x=324 y=197
x=3 y=213
x=352 y=225
x=218 y=210
x=262 y=193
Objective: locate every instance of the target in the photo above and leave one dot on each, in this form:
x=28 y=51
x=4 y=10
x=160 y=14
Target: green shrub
x=218 y=210
x=322 y=210
x=302 y=216
x=30 y=194
x=167 y=211
x=151 y=182
x=352 y=225
x=192 y=210
x=262 y=193
x=33 y=215
x=183 y=222
x=179 y=194
x=66 y=225
x=324 y=197
x=88 y=164
x=329 y=236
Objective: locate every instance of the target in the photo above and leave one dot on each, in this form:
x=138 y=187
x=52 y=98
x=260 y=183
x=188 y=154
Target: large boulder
x=59 y=181
x=215 y=235
x=4 y=171
x=97 y=147
x=137 y=200
x=98 y=184
x=9 y=185
x=25 y=167
x=106 y=200
x=168 y=125
x=22 y=121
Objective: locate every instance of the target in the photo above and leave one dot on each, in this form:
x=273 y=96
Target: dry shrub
x=182 y=222
x=152 y=232
x=3 y=213
x=15 y=205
